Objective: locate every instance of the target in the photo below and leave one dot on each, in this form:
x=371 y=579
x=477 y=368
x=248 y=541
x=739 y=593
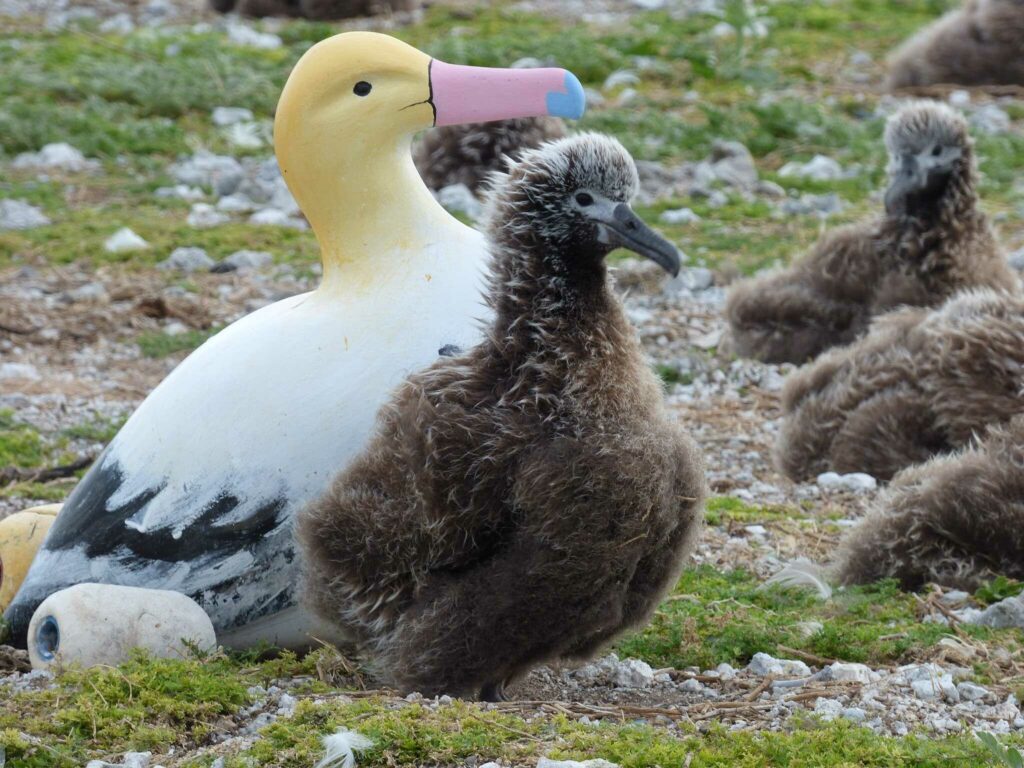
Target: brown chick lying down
x=957 y=520
x=920 y=383
x=981 y=43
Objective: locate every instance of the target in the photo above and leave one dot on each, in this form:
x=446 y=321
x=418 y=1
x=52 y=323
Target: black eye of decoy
x=362 y=88
x=584 y=198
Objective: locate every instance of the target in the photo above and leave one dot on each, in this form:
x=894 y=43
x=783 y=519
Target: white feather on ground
x=341 y=748
x=802 y=573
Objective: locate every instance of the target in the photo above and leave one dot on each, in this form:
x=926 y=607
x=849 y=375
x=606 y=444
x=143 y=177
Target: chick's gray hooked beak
x=622 y=228
x=903 y=181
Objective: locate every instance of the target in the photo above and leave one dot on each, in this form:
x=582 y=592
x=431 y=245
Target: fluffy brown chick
x=981 y=43
x=468 y=154
x=957 y=520
x=920 y=383
x=528 y=499
x=320 y=10
x=933 y=240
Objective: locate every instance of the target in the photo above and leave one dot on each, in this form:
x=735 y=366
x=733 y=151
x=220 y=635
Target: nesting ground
x=727 y=105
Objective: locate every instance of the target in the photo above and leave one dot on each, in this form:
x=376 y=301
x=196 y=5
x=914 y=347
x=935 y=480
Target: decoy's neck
x=369 y=209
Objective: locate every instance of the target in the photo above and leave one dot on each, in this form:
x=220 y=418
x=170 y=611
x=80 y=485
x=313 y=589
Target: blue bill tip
x=571 y=104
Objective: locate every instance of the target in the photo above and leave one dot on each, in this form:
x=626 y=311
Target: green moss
x=79 y=233
x=159 y=344
x=159 y=704
x=723 y=509
x=414 y=735
x=23 y=447
x=671 y=375
x=1007 y=757
x=715 y=617
x=49 y=492
x=133 y=97
x=109 y=97
x=20 y=444
x=143 y=704
x=99 y=430
x=998 y=589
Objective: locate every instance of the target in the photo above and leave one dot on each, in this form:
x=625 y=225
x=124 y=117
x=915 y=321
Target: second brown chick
x=933 y=241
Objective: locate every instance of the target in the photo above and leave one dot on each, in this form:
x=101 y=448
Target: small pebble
x=679 y=216
x=224 y=116
x=186 y=260
x=763 y=664
x=124 y=241
x=19 y=215
x=25 y=371
x=204 y=216
x=819 y=168
x=856 y=482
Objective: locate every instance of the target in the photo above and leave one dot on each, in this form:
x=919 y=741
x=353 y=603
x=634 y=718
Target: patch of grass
x=114 y=95
x=23 y=447
x=724 y=509
x=998 y=589
x=1007 y=757
x=670 y=375
x=55 y=491
x=78 y=233
x=145 y=98
x=144 y=704
x=496 y=37
x=156 y=704
x=20 y=444
x=159 y=344
x=98 y=431
x=715 y=617
x=415 y=735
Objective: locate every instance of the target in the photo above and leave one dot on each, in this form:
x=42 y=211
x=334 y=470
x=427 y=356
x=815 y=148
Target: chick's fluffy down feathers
x=469 y=154
x=918 y=254
x=920 y=383
x=981 y=43
x=321 y=10
x=957 y=520
x=529 y=499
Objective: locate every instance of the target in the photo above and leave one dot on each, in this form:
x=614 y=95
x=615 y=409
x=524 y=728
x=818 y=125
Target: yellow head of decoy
x=346 y=119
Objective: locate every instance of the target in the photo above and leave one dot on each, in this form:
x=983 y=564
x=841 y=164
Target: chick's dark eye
x=584 y=198
x=362 y=88
x=936 y=151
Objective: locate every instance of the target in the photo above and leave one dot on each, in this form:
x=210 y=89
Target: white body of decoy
x=197 y=491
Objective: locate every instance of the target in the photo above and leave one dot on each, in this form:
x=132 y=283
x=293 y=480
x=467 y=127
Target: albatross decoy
x=197 y=491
